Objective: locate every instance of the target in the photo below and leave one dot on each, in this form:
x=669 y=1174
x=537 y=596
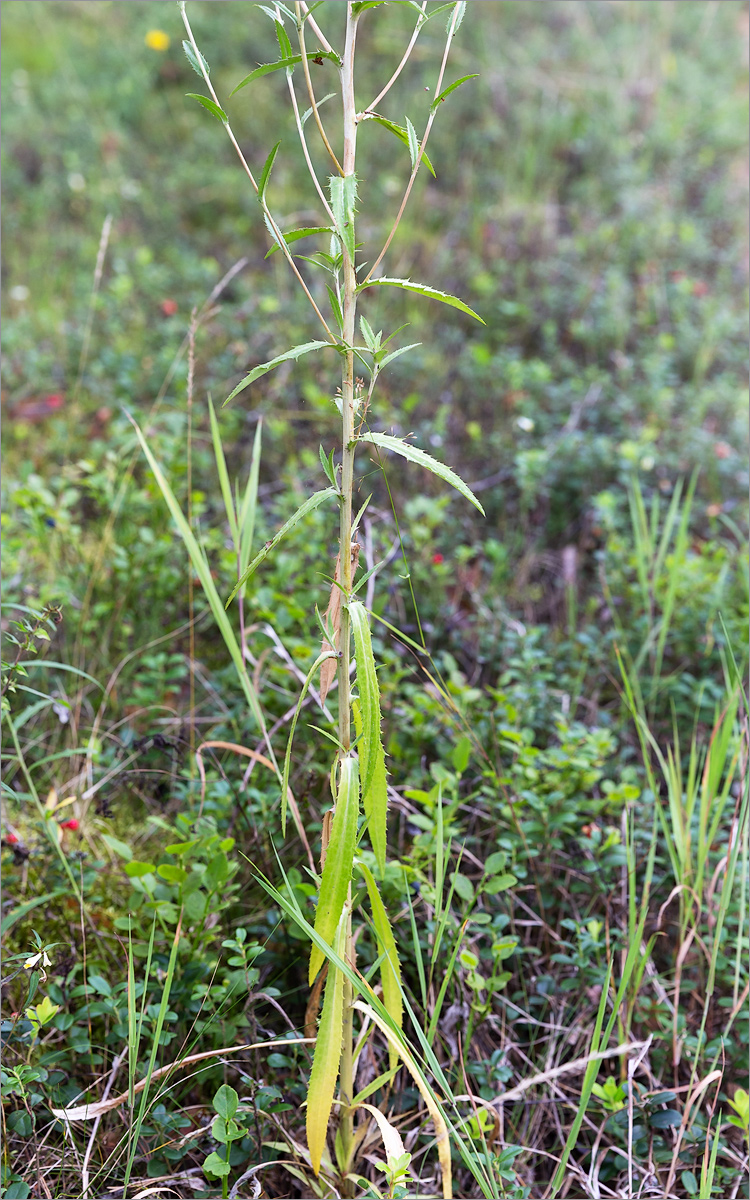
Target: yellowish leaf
x=325 y=1068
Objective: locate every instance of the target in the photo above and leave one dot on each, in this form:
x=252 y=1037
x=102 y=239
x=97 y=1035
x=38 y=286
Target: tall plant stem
x=347 y=482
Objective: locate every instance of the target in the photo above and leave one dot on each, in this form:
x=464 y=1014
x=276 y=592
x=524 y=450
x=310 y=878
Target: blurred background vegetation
x=590 y=201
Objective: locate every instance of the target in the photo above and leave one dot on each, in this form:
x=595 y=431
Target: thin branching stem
x=305 y=151
x=316 y=29
x=423 y=143
x=272 y=224
x=421 y=20
x=310 y=91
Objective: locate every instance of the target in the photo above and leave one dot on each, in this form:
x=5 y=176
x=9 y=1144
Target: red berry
x=70 y=824
x=169 y=307
x=437 y=559
x=11 y=839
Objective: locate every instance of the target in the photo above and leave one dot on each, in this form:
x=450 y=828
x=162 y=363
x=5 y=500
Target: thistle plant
x=358 y=771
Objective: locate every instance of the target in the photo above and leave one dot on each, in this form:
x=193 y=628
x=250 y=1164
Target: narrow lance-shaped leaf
x=411 y=134
x=296 y=234
x=369 y=692
x=266 y=172
x=337 y=871
x=375 y=798
x=451 y=88
x=309 y=505
x=262 y=368
x=283 y=64
x=390 y=970
x=210 y=105
x=309 y=111
x=422 y=289
x=403 y=136
x=327 y=1057
x=414 y=454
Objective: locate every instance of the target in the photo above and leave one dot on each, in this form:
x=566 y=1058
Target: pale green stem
x=346 y=1075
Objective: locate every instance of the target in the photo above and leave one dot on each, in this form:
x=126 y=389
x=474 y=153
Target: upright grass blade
x=589 y=1079
x=246 y=513
x=390 y=970
x=221 y=467
x=202 y=570
x=160 y=1018
x=325 y=1068
x=337 y=871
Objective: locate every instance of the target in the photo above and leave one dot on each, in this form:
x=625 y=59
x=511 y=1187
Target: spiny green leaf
x=369 y=692
x=327 y=1056
x=285 y=46
x=402 y=134
x=375 y=798
x=451 y=88
x=295 y=352
x=414 y=454
x=343 y=191
x=266 y=172
x=210 y=105
x=460 y=14
x=337 y=871
x=309 y=505
x=390 y=970
x=284 y=64
x=422 y=289
x=195 y=62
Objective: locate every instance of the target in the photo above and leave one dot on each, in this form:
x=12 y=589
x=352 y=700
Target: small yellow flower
x=157 y=39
